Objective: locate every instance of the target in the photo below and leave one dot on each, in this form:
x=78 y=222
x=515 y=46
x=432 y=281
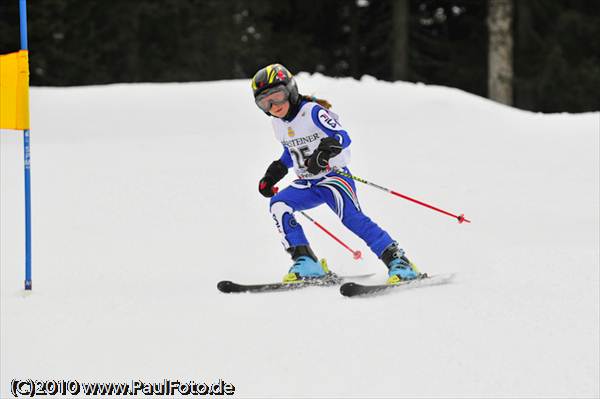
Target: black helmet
x=274 y=75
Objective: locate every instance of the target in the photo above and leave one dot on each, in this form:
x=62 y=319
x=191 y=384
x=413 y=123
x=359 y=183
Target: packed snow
x=145 y=196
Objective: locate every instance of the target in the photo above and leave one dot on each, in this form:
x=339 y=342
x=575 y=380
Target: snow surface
x=145 y=196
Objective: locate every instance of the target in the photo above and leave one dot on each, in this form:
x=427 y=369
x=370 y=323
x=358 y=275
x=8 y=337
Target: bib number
x=300 y=154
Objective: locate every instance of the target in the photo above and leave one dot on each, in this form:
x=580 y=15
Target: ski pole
x=461 y=218
x=355 y=254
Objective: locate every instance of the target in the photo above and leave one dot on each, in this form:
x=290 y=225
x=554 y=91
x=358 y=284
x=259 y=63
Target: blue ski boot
x=306 y=266
x=400 y=268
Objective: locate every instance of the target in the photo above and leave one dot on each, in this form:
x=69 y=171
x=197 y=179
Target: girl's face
x=280 y=110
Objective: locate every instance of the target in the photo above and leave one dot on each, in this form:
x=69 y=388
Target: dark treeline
x=81 y=42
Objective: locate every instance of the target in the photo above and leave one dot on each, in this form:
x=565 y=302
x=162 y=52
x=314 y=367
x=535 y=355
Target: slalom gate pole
x=27 y=158
x=461 y=218
x=355 y=254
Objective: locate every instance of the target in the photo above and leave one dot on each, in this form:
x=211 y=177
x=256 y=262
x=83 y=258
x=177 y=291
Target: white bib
x=302 y=136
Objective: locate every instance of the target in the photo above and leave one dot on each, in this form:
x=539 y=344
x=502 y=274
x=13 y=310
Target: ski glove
x=319 y=160
x=275 y=172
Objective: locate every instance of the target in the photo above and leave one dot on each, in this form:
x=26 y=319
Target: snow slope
x=144 y=196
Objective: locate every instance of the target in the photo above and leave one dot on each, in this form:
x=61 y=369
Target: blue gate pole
x=27 y=160
x=26 y=148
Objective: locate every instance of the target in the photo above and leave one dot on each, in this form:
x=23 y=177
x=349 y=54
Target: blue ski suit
x=300 y=136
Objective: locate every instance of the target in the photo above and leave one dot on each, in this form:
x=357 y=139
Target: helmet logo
x=280 y=75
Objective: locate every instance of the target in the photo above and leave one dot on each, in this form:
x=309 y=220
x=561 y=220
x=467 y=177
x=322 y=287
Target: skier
x=314 y=142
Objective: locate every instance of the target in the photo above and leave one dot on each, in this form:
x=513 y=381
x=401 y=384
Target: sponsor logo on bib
x=328 y=121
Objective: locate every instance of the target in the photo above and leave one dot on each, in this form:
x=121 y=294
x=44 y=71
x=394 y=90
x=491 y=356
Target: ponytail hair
x=322 y=102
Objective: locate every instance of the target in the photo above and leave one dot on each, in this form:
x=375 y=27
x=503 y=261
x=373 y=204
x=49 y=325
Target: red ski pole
x=461 y=218
x=355 y=254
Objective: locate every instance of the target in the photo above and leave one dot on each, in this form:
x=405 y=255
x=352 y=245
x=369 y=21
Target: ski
x=352 y=289
x=331 y=279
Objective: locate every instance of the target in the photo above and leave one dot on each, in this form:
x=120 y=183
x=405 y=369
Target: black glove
x=275 y=172
x=318 y=161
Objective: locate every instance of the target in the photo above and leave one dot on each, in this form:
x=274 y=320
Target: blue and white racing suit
x=300 y=137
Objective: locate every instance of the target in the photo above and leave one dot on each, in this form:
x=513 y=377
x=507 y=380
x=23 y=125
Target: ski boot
x=400 y=268
x=306 y=266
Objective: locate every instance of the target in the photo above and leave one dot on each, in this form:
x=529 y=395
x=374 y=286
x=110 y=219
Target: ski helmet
x=275 y=75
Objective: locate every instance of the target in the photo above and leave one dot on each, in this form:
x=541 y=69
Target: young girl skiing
x=314 y=143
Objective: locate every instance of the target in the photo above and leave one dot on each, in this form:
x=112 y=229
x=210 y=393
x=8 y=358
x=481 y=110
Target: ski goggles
x=275 y=95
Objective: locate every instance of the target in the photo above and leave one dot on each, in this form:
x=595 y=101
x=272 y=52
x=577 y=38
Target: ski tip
x=348 y=289
x=225 y=286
